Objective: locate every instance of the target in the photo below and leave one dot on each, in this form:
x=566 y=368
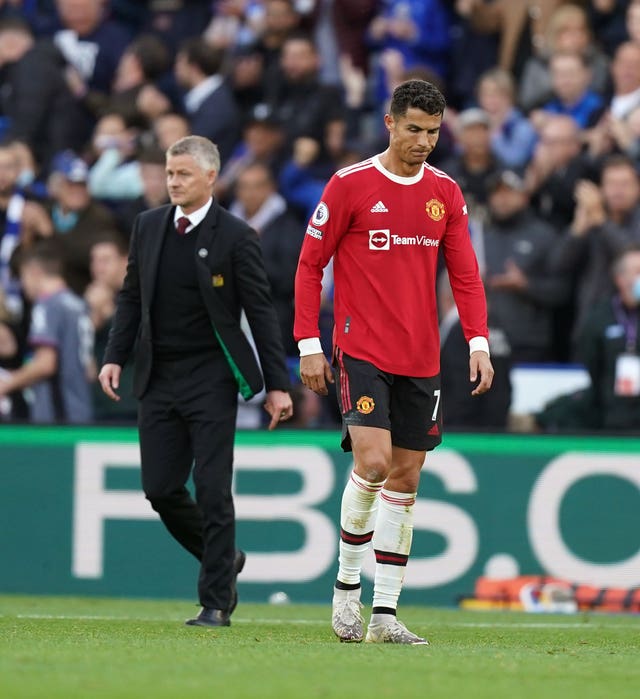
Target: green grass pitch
x=57 y=647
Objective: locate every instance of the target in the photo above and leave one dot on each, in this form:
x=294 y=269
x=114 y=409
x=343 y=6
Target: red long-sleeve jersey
x=384 y=233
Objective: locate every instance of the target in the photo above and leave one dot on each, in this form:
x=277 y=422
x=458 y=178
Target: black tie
x=182 y=224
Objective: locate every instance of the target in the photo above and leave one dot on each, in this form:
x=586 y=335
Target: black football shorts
x=406 y=406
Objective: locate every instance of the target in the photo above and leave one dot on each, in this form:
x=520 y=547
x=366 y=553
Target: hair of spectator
x=619 y=160
x=580 y=57
x=502 y=79
x=46 y=255
x=301 y=35
x=151 y=155
x=619 y=260
x=201 y=54
x=112 y=238
x=558 y=21
x=418 y=94
x=152 y=54
x=13 y=23
x=202 y=150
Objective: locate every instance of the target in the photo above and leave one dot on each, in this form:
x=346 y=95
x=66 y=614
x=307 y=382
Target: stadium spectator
x=351 y=19
x=625 y=72
x=235 y=23
x=606 y=220
x=91 y=43
x=13 y=407
x=474 y=163
x=568 y=31
x=521 y=29
x=608 y=136
x=258 y=203
x=21 y=223
x=78 y=220
x=262 y=141
x=35 y=99
x=176 y=21
x=302 y=105
x=61 y=368
x=209 y=101
x=154 y=188
x=513 y=138
x=115 y=174
x=281 y=20
x=571 y=95
x=632 y=21
x=558 y=163
x=186 y=376
x=608 y=17
x=610 y=347
x=29 y=181
x=108 y=269
x=521 y=291
x=169 y=128
x=459 y=408
x=406 y=34
x=135 y=94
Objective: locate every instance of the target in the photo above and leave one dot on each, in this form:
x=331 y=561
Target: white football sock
x=392 y=545
x=357 y=516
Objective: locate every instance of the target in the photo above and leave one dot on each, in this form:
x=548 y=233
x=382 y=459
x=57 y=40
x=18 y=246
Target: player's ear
x=389 y=122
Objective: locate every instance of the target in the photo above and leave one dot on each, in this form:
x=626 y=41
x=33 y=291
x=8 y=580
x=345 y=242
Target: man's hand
x=512 y=279
x=278 y=404
x=109 y=378
x=315 y=372
x=480 y=365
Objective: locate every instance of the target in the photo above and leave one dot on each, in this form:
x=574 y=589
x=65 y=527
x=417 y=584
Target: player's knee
x=373 y=469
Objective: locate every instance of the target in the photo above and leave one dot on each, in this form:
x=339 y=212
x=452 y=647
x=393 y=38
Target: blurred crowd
x=542 y=133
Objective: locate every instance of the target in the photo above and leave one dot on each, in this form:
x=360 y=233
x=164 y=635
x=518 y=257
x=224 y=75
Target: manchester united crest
x=435 y=209
x=365 y=405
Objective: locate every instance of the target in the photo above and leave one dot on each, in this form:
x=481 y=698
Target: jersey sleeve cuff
x=309 y=345
x=478 y=344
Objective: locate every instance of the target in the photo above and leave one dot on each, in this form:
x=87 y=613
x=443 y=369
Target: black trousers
x=187 y=418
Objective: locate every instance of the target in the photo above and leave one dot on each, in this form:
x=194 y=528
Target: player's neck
x=395 y=166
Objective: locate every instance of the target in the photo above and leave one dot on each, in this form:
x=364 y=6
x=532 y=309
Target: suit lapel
x=156 y=238
x=204 y=244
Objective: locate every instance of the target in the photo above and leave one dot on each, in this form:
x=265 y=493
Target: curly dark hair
x=419 y=94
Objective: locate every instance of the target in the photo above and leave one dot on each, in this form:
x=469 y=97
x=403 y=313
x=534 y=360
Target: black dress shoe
x=238 y=565
x=210 y=617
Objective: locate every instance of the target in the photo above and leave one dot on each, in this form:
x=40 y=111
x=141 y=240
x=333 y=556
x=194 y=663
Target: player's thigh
x=416 y=413
x=363 y=393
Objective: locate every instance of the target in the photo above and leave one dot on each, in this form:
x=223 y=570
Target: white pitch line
x=98 y=617
x=592 y=625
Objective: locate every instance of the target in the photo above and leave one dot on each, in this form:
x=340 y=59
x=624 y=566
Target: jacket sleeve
x=126 y=321
x=255 y=297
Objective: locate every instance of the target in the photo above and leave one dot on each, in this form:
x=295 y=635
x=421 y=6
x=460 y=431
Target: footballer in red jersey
x=384 y=221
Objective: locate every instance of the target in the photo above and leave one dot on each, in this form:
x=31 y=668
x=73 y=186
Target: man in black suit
x=208 y=101
x=192 y=268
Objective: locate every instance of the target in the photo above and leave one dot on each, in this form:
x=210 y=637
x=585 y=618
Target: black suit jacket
x=218 y=119
x=231 y=277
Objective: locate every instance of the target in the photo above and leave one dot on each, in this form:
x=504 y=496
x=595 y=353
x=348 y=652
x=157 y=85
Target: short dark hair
x=112 y=238
x=618 y=160
x=46 y=254
x=616 y=265
x=201 y=54
x=13 y=23
x=152 y=54
x=418 y=94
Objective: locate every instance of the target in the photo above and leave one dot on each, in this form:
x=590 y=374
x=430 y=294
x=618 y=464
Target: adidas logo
x=379 y=208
